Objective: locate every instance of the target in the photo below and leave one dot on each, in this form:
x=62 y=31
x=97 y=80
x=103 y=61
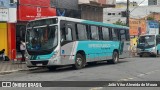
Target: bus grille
x=39 y=62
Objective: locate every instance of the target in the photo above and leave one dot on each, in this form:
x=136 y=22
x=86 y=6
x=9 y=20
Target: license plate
x=39 y=64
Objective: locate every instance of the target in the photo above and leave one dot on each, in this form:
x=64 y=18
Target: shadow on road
x=70 y=68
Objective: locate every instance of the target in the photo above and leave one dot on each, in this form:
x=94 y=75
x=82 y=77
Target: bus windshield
x=146 y=41
x=42 y=38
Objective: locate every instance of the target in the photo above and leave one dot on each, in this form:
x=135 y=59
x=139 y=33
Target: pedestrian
x=2 y=53
x=134 y=50
x=130 y=51
x=22 y=49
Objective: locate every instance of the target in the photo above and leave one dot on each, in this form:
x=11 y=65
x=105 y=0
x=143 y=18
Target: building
x=124 y=4
x=138 y=17
x=155 y=16
x=84 y=9
x=111 y=15
x=93 y=9
x=68 y=8
x=8 y=15
x=153 y=2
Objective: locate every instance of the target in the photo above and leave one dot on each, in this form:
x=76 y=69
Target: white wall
x=113 y=18
x=83 y=1
x=112 y=2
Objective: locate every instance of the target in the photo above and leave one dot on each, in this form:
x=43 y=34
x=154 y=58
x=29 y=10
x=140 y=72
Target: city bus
x=58 y=41
x=148 y=45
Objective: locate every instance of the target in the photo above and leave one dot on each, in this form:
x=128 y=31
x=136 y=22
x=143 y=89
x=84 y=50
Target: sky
x=138 y=1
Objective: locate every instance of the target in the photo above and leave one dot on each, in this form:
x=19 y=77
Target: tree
x=150 y=18
x=119 y=22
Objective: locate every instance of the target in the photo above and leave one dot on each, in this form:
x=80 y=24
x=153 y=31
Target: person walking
x=22 y=49
x=134 y=50
x=2 y=53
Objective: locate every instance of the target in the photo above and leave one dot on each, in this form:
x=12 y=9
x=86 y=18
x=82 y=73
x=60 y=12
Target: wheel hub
x=79 y=61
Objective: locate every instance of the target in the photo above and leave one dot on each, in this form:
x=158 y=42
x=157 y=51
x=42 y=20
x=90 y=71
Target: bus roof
x=86 y=22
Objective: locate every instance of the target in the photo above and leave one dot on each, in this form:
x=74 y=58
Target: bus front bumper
x=148 y=52
x=43 y=63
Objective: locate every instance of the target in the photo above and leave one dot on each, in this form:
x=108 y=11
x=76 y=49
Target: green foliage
x=150 y=18
x=120 y=23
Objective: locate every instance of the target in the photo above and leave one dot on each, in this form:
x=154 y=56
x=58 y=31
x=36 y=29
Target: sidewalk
x=10 y=66
x=7 y=67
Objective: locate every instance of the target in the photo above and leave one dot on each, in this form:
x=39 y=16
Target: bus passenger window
x=81 y=32
x=105 y=33
x=122 y=35
x=69 y=34
x=94 y=32
x=63 y=34
x=114 y=34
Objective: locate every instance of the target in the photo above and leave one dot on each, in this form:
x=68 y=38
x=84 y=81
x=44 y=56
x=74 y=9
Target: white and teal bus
x=58 y=41
x=148 y=45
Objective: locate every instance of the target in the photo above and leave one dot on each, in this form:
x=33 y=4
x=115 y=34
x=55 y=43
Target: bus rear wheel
x=79 y=62
x=115 y=58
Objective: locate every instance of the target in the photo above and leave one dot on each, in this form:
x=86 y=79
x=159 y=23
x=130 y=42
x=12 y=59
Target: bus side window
x=69 y=34
x=81 y=32
x=63 y=34
x=115 y=34
x=122 y=35
x=158 y=40
x=100 y=33
x=105 y=33
x=94 y=33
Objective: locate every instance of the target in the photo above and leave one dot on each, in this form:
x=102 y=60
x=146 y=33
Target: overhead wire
x=137 y=6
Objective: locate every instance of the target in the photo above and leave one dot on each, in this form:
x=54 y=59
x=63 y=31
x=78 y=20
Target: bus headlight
x=153 y=49
x=56 y=53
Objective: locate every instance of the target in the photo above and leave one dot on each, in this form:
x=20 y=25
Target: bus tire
x=115 y=58
x=52 y=68
x=79 y=62
x=140 y=55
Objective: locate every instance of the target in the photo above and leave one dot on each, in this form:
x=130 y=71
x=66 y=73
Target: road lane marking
x=140 y=75
x=96 y=88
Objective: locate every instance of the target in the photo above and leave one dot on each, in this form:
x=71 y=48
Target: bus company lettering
x=99 y=45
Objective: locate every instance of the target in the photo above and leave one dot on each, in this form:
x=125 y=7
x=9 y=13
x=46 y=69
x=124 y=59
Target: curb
x=12 y=71
x=28 y=69
x=8 y=72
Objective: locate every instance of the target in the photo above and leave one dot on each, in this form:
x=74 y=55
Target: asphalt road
x=129 y=69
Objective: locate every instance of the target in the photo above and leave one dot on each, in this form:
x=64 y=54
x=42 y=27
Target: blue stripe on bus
x=94 y=49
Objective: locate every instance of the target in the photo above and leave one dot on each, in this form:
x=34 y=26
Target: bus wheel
x=115 y=58
x=79 y=62
x=146 y=55
x=52 y=68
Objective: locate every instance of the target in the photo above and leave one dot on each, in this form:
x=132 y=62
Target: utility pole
x=127 y=12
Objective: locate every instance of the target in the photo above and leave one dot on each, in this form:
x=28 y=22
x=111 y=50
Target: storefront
x=3 y=37
x=29 y=10
x=13 y=21
x=8 y=18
